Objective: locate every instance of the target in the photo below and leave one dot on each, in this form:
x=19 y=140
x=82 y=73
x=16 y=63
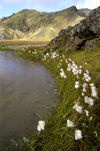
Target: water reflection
x=26 y=94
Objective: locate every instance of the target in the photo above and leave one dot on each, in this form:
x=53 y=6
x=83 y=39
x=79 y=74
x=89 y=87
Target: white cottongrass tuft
x=54 y=55
x=87 y=112
x=69 y=67
x=81 y=67
x=84 y=86
x=86 y=77
x=77 y=84
x=77 y=77
x=87 y=71
x=82 y=94
x=70 y=123
x=75 y=71
x=94 y=93
x=78 y=134
x=34 y=52
x=74 y=68
x=89 y=100
x=96 y=134
x=93 y=90
x=69 y=59
x=92 y=85
x=44 y=57
x=78 y=108
x=62 y=74
x=80 y=71
x=91 y=118
x=66 y=61
x=41 y=126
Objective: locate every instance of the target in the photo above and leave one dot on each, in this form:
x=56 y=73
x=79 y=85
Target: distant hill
x=34 y=25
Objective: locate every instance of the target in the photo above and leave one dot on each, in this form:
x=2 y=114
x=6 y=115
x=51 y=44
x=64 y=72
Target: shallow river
x=27 y=92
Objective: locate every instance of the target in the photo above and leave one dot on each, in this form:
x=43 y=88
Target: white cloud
x=40 y=4
x=48 y=5
x=91 y=4
x=30 y=4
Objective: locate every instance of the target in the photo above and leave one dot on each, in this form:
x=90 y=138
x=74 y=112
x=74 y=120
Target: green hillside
x=34 y=25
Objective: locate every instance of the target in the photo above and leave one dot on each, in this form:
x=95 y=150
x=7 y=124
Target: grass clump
x=57 y=136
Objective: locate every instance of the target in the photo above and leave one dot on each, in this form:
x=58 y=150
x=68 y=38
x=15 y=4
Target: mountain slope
x=86 y=33
x=31 y=24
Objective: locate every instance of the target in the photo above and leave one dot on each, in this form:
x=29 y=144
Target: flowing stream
x=27 y=93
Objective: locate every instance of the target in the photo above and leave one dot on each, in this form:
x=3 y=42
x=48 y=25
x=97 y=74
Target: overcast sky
x=7 y=7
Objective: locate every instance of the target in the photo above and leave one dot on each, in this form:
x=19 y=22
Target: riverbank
x=76 y=73
x=21 y=44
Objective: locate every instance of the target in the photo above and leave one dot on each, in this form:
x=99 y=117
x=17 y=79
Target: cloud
x=51 y=4
x=40 y=4
x=10 y=6
x=33 y=4
x=91 y=4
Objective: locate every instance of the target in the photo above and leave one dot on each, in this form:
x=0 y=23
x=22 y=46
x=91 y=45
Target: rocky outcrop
x=92 y=44
x=87 y=29
x=73 y=8
x=62 y=38
x=78 y=36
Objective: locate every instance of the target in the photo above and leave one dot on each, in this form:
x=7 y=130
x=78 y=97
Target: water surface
x=27 y=91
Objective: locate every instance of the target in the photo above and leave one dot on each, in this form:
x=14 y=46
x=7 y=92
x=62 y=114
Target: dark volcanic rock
x=76 y=37
x=87 y=29
x=62 y=38
x=73 y=8
x=92 y=44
